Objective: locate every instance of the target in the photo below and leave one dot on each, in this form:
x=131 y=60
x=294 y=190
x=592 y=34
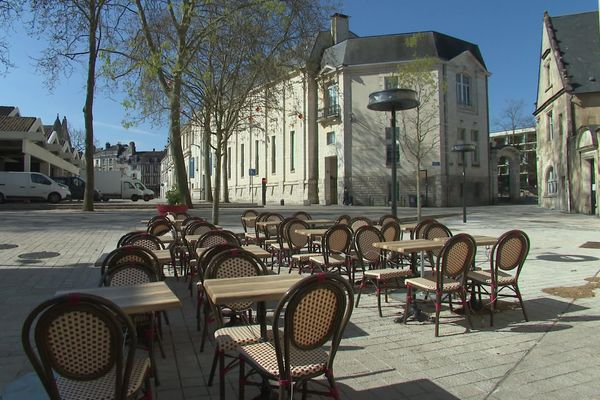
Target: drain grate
x=590 y=245
x=7 y=246
x=39 y=255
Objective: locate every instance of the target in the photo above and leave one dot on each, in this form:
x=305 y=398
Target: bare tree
x=514 y=117
x=9 y=10
x=75 y=31
x=420 y=126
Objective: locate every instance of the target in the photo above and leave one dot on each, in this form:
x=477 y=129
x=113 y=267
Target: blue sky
x=508 y=33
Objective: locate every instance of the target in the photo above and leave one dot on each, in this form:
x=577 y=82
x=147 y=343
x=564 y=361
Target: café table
x=312 y=233
x=135 y=299
x=253 y=249
x=252 y=288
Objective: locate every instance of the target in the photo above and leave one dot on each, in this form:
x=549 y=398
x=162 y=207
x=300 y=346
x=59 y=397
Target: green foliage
x=173 y=196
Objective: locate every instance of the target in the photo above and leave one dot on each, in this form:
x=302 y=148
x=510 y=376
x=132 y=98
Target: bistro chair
x=419 y=231
x=161 y=227
x=334 y=251
x=303 y=215
x=83 y=346
x=125 y=238
x=129 y=254
x=297 y=243
x=343 y=220
x=357 y=222
x=233 y=263
x=308 y=324
x=392 y=232
x=435 y=230
x=386 y=218
x=257 y=236
x=506 y=261
x=191 y=219
x=450 y=277
x=203 y=261
x=279 y=247
x=246 y=224
x=133 y=273
x=373 y=264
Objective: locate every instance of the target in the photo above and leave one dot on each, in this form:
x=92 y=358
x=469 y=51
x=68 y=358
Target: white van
x=148 y=193
x=30 y=185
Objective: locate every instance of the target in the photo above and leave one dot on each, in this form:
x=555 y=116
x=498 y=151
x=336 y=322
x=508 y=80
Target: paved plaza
x=553 y=356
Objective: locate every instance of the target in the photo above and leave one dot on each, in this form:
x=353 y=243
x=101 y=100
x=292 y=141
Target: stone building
x=318 y=136
x=568 y=113
x=26 y=144
x=513 y=158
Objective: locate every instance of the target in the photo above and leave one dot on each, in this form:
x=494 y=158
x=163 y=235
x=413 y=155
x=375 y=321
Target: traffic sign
x=252 y=172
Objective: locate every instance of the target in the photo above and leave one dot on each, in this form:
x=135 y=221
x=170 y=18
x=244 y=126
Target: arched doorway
x=505 y=174
x=587 y=146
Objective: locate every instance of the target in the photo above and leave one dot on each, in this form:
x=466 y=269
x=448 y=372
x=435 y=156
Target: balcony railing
x=333 y=111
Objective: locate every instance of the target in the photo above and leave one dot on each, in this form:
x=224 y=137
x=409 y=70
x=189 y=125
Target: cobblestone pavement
x=553 y=356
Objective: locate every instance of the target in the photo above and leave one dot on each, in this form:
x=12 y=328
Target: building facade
x=318 y=137
x=514 y=149
x=28 y=145
x=568 y=113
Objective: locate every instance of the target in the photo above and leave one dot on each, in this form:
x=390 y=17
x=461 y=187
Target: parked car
x=77 y=187
x=30 y=185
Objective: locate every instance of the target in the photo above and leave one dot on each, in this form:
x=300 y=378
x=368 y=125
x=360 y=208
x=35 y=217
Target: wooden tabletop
x=252 y=288
x=164 y=257
x=257 y=251
x=146 y=297
x=410 y=246
x=480 y=240
x=311 y=232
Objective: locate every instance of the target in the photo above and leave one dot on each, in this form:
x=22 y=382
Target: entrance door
x=331 y=178
x=592 y=186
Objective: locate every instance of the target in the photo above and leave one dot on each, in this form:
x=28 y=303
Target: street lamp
x=463 y=148
x=393 y=100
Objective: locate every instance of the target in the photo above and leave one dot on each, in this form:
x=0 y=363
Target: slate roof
x=578 y=39
x=394 y=48
x=16 y=124
x=6 y=110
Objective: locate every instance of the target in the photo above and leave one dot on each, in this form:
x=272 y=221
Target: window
x=191 y=168
x=550 y=125
x=475 y=141
x=560 y=125
x=37 y=178
x=388 y=147
x=330 y=137
x=273 y=158
x=242 y=160
x=551 y=184
x=331 y=100
x=391 y=82
x=547 y=75
x=256 y=163
x=229 y=162
x=292 y=151
x=463 y=90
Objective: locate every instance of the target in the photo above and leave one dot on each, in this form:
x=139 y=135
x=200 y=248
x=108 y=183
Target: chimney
x=339 y=28
x=107 y=146
x=132 y=148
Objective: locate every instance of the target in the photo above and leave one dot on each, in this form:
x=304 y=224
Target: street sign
x=252 y=172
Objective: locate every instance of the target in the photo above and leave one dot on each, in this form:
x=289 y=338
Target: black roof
x=578 y=40
x=394 y=48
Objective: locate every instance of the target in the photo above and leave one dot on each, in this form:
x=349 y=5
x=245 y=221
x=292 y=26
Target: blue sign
x=252 y=172
x=435 y=163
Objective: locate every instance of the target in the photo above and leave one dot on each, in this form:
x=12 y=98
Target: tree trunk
x=225 y=173
x=207 y=167
x=88 y=115
x=217 y=192
x=175 y=136
x=419 y=191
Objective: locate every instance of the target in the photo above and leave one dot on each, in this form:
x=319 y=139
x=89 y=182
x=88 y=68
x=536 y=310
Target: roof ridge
x=562 y=69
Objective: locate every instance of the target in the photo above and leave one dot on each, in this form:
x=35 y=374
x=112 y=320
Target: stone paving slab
x=553 y=356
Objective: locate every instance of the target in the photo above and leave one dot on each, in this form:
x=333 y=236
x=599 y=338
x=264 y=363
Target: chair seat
x=232 y=337
x=304 y=256
x=271 y=242
x=428 y=282
x=485 y=277
x=303 y=363
x=334 y=259
x=388 y=273
x=276 y=246
x=103 y=388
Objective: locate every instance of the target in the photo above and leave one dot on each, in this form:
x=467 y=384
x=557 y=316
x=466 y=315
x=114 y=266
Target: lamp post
x=393 y=100
x=463 y=148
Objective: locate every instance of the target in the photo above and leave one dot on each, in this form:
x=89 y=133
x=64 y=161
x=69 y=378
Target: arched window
x=551 y=184
x=463 y=90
